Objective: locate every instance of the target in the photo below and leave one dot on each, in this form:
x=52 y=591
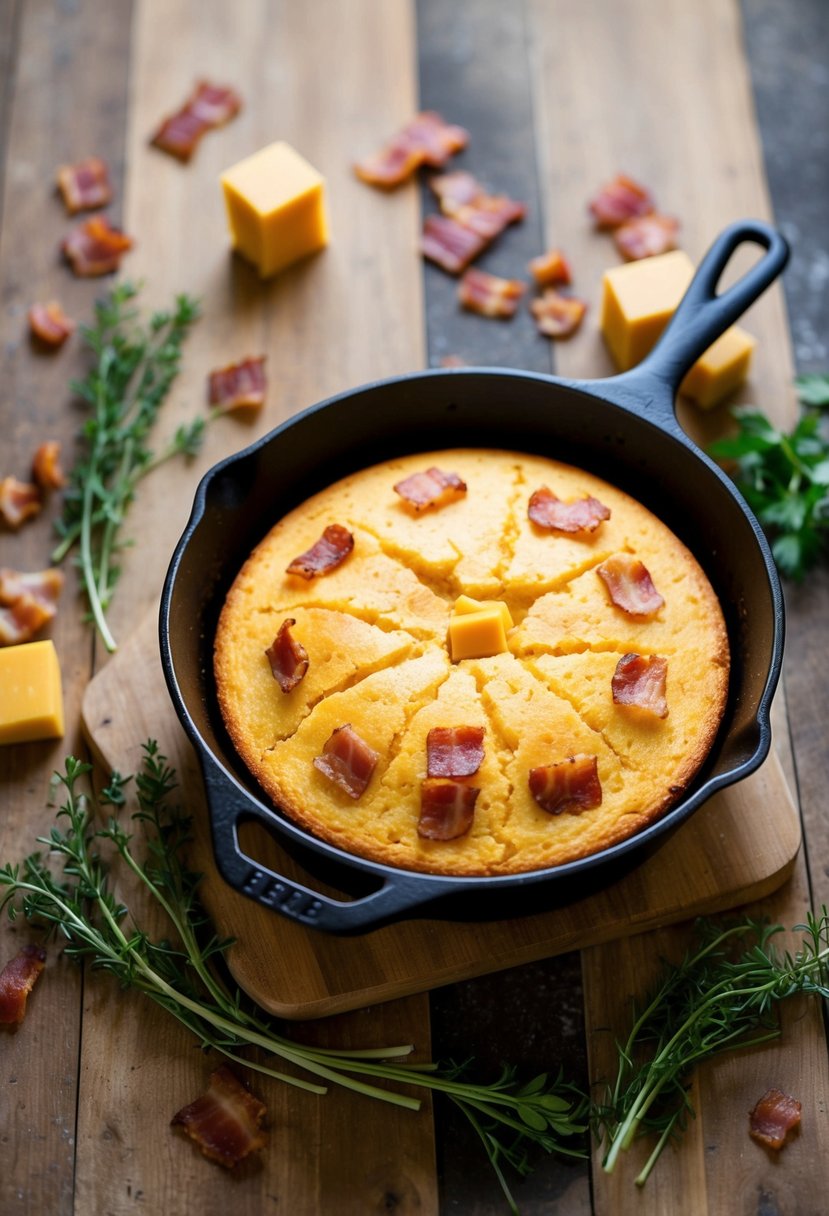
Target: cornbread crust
x=375 y=633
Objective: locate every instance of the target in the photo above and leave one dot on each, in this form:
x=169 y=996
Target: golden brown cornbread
x=375 y=633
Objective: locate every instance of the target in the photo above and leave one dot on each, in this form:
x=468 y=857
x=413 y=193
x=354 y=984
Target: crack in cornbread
x=375 y=633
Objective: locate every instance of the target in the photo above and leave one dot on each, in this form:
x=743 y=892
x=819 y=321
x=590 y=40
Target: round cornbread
x=375 y=632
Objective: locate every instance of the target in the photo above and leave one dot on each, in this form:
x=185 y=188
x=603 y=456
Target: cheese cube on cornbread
x=275 y=207
x=31 y=698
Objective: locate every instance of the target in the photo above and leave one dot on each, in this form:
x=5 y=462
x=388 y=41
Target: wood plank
x=10 y=14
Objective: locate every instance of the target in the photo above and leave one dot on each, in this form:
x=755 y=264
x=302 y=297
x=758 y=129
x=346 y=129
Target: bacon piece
x=85 y=185
x=570 y=785
x=95 y=247
x=426 y=140
x=580 y=515
x=17 y=979
x=463 y=198
x=447 y=809
x=19 y=501
x=454 y=751
x=434 y=488
x=347 y=760
x=27 y=603
x=630 y=585
x=488 y=295
x=288 y=657
x=646 y=236
x=557 y=315
x=238 y=385
x=450 y=244
x=330 y=551
x=641 y=682
x=455 y=190
x=619 y=200
x=50 y=324
x=225 y=1122
x=774 y=1118
x=551 y=268
x=208 y=106
x=46 y=468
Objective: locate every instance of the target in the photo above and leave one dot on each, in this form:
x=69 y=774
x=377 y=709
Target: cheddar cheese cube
x=465 y=604
x=31 y=698
x=477 y=635
x=638 y=301
x=721 y=370
x=275 y=207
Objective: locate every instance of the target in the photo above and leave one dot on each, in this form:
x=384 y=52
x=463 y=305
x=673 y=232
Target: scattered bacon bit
x=464 y=199
x=95 y=247
x=641 y=682
x=46 y=468
x=489 y=295
x=238 y=385
x=580 y=515
x=455 y=190
x=288 y=657
x=450 y=244
x=774 y=1118
x=225 y=1122
x=551 y=268
x=447 y=809
x=50 y=324
x=19 y=501
x=207 y=107
x=330 y=551
x=454 y=751
x=571 y=785
x=630 y=585
x=426 y=140
x=27 y=603
x=85 y=185
x=17 y=979
x=646 y=236
x=434 y=488
x=557 y=315
x=620 y=200
x=347 y=760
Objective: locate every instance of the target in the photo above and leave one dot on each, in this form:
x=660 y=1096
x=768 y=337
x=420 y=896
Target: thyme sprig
x=183 y=973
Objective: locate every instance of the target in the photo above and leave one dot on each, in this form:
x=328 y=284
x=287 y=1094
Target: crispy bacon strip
x=774 y=1118
x=19 y=501
x=454 y=751
x=464 y=199
x=17 y=979
x=570 y=785
x=551 y=268
x=238 y=385
x=208 y=106
x=225 y=1122
x=50 y=324
x=330 y=551
x=434 y=488
x=450 y=244
x=630 y=585
x=619 y=200
x=347 y=760
x=46 y=468
x=646 y=236
x=85 y=185
x=557 y=315
x=426 y=140
x=489 y=295
x=27 y=603
x=447 y=809
x=641 y=682
x=95 y=247
x=580 y=515
x=287 y=656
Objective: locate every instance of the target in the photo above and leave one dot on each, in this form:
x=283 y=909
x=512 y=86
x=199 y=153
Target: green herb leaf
x=813 y=389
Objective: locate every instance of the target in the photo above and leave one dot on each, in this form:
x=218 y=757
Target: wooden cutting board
x=738 y=847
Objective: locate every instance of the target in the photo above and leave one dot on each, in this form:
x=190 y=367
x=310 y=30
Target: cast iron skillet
x=623 y=429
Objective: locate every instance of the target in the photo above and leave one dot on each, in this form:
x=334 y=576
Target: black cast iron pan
x=623 y=429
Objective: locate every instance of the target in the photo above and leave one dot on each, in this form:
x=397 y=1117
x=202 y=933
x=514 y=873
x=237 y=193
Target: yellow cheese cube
x=638 y=301
x=465 y=604
x=275 y=207
x=722 y=368
x=477 y=635
x=31 y=699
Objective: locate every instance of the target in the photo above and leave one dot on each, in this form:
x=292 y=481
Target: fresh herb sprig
x=133 y=367
x=784 y=476
x=183 y=974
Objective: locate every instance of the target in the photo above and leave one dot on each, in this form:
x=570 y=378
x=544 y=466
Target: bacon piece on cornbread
x=447 y=809
x=225 y=1122
x=433 y=488
x=347 y=760
x=426 y=140
x=570 y=785
x=630 y=585
x=641 y=681
x=454 y=751
x=287 y=656
x=330 y=551
x=579 y=515
x=17 y=979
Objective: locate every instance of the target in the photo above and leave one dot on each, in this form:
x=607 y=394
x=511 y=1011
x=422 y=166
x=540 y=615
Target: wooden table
x=557 y=97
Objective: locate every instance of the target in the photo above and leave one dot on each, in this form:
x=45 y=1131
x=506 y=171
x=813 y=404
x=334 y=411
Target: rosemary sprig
x=133 y=366
x=183 y=973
